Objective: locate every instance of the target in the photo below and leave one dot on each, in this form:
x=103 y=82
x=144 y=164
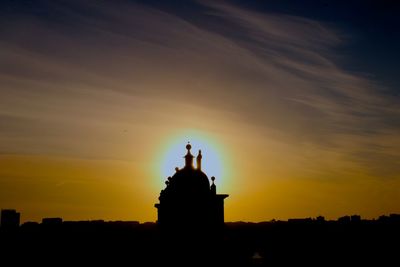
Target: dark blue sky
x=372 y=27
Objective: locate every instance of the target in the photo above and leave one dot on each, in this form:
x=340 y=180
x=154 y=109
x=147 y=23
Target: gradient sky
x=299 y=99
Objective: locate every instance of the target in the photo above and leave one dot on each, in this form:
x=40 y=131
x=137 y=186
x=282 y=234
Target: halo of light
x=175 y=150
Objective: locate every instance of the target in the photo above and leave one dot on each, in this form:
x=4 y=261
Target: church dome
x=188 y=198
x=190 y=181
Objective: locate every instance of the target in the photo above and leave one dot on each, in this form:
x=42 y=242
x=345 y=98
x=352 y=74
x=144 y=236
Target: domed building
x=189 y=199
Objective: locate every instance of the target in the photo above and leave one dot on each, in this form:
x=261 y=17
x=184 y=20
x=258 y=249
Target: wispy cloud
x=87 y=67
x=297 y=55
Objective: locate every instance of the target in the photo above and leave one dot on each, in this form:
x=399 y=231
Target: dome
x=190 y=181
x=188 y=200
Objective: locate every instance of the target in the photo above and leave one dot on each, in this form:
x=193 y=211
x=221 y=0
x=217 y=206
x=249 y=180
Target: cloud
x=97 y=65
x=296 y=54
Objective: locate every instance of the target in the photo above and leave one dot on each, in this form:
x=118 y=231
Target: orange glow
x=95 y=114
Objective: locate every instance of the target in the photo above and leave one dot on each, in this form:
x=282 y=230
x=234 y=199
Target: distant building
x=52 y=221
x=394 y=217
x=355 y=218
x=344 y=219
x=189 y=199
x=30 y=225
x=9 y=219
x=300 y=220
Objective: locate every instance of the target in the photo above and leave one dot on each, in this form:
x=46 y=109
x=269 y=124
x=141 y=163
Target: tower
x=188 y=157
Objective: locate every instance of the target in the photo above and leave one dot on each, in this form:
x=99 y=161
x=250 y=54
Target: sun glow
x=212 y=162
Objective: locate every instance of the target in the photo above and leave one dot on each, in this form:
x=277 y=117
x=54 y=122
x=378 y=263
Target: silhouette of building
x=355 y=218
x=9 y=218
x=52 y=221
x=189 y=199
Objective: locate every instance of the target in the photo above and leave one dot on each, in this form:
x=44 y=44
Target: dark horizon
x=344 y=218
x=297 y=242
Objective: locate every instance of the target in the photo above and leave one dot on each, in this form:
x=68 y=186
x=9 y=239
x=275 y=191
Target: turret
x=198 y=159
x=189 y=157
x=213 y=187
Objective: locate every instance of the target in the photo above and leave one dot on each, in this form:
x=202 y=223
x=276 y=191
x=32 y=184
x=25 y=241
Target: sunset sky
x=295 y=105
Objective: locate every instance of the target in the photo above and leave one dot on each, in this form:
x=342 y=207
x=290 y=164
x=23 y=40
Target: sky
x=297 y=104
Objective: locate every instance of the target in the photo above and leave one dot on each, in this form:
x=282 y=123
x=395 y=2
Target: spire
x=198 y=159
x=213 y=187
x=189 y=157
